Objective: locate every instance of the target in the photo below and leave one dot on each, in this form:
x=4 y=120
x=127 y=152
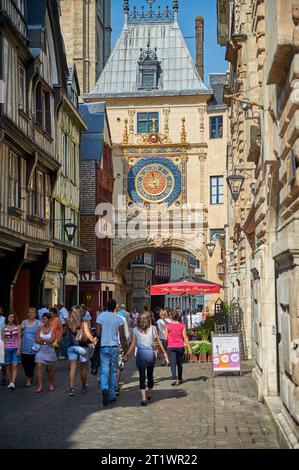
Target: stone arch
x=125 y=250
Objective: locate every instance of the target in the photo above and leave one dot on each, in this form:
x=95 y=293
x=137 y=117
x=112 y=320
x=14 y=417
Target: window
x=145 y=122
x=216 y=190
x=14 y=181
x=62 y=212
x=32 y=197
x=148 y=80
x=216 y=127
x=22 y=88
x=73 y=162
x=43 y=108
x=41 y=194
x=47 y=112
x=65 y=153
x=215 y=234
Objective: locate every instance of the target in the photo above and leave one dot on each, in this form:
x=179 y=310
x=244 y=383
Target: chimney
x=199 y=34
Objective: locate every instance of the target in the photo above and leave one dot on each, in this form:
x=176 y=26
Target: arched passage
x=128 y=248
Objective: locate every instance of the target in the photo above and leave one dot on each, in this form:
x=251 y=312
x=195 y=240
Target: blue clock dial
x=154 y=180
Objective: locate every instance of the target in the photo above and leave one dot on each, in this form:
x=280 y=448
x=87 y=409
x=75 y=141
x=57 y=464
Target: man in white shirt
x=44 y=309
x=111 y=332
x=125 y=314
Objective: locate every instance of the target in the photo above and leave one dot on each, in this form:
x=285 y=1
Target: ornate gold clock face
x=155 y=180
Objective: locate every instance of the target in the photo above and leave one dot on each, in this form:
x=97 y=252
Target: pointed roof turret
x=159 y=36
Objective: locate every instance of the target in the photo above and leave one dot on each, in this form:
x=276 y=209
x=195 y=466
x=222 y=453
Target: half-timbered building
x=33 y=72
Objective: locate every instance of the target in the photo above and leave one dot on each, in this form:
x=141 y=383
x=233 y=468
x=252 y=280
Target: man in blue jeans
x=110 y=330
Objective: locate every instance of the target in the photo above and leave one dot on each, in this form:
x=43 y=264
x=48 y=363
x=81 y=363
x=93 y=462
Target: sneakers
x=11 y=386
x=143 y=403
x=174 y=383
x=105 y=397
x=181 y=382
x=72 y=392
x=117 y=391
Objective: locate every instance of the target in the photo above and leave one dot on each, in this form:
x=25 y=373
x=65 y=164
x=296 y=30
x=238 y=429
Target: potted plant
x=204 y=348
x=194 y=356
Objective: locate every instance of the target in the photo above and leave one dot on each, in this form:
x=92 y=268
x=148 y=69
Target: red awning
x=186 y=287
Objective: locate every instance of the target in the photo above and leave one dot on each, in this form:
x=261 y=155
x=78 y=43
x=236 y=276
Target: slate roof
x=217 y=82
x=179 y=74
x=91 y=145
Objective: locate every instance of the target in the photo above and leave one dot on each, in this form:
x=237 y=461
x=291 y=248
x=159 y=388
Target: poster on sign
x=226 y=353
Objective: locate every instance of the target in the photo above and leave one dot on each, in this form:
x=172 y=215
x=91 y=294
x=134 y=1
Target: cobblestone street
x=204 y=412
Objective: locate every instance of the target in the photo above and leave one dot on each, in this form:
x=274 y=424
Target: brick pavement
x=204 y=412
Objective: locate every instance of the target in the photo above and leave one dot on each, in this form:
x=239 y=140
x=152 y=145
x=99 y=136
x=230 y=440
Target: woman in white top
x=46 y=356
x=144 y=337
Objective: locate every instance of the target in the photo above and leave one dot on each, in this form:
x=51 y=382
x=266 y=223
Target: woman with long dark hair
x=144 y=337
x=176 y=336
x=78 y=347
x=46 y=356
x=11 y=335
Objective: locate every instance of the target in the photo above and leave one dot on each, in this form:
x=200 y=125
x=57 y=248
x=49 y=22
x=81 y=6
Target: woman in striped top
x=11 y=335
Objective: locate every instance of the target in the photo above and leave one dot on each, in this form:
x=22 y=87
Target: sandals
x=38 y=390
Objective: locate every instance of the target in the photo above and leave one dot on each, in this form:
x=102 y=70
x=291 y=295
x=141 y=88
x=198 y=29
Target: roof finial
x=126 y=7
x=175 y=9
x=126 y=12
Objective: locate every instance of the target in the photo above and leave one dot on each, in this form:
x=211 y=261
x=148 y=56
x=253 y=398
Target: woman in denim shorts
x=78 y=352
x=11 y=336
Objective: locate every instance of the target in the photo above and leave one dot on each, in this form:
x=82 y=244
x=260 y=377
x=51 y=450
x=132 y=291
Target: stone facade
x=86 y=28
x=262 y=251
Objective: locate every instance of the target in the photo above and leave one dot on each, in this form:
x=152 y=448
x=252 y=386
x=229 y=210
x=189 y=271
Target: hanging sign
x=226 y=353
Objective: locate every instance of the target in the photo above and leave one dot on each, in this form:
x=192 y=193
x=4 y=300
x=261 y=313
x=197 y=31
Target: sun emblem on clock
x=155 y=180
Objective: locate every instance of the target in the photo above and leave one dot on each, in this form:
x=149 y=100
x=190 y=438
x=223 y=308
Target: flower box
x=202 y=357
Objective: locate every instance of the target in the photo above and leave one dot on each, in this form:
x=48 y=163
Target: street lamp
x=70 y=230
x=235 y=183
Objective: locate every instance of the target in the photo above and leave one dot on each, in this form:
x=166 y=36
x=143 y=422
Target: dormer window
x=149 y=69
x=148 y=80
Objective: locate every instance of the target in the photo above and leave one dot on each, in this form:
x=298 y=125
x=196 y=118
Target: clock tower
x=158 y=108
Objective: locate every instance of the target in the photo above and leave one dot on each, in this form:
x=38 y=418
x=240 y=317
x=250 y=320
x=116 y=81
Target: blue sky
x=189 y=9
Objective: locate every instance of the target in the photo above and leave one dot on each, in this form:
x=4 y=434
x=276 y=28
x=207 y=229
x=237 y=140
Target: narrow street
x=204 y=413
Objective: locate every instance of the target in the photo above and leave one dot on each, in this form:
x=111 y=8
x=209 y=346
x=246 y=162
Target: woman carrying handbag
x=79 y=339
x=146 y=340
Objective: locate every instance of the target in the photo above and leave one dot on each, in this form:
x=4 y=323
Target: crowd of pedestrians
x=107 y=341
